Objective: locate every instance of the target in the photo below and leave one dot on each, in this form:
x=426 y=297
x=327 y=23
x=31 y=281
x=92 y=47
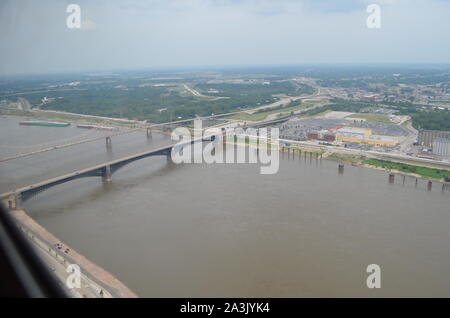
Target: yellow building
x=374 y=140
x=355 y=130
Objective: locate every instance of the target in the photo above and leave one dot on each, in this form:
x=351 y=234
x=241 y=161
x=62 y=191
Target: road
x=198 y=94
x=287 y=100
x=407 y=144
x=58 y=269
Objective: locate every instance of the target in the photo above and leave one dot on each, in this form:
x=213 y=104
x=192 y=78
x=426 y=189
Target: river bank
x=393 y=167
x=96 y=281
x=427 y=173
x=70 y=117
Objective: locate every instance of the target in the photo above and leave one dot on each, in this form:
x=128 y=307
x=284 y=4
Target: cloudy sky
x=121 y=34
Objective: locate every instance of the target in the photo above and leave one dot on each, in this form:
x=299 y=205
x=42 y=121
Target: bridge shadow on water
x=77 y=192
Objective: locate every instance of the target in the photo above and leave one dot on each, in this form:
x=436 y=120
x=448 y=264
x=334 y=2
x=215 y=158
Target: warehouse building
x=426 y=137
x=354 y=131
x=373 y=140
x=441 y=147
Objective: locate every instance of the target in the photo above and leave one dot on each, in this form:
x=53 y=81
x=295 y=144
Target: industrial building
x=354 y=135
x=441 y=147
x=337 y=131
x=322 y=135
x=374 y=140
x=426 y=137
x=354 y=131
x=364 y=136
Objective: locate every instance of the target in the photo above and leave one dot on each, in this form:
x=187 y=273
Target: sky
x=133 y=34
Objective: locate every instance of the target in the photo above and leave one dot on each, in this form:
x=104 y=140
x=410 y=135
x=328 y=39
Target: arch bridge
x=14 y=199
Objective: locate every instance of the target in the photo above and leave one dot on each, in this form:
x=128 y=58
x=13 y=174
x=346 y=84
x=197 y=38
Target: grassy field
x=261 y=115
x=422 y=171
x=318 y=115
x=375 y=118
x=347 y=158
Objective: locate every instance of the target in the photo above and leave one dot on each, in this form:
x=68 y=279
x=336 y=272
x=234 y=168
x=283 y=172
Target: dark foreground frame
x=22 y=272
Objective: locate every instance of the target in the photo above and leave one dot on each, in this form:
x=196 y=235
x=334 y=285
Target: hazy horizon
x=175 y=34
x=218 y=68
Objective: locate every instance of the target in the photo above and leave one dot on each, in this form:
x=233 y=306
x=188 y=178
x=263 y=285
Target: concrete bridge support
x=430 y=185
x=391 y=178
x=106 y=174
x=108 y=142
x=258 y=141
x=168 y=155
x=149 y=133
x=341 y=168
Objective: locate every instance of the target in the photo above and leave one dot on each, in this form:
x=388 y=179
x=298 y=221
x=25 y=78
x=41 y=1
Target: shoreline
x=74 y=119
x=102 y=282
x=395 y=171
x=345 y=157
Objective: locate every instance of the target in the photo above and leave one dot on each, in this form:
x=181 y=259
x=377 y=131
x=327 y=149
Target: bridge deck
x=87 y=170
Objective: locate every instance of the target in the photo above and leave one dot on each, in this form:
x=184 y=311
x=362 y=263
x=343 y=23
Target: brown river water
x=225 y=230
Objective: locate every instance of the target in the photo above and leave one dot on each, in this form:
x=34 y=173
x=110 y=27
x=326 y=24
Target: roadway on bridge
x=24 y=171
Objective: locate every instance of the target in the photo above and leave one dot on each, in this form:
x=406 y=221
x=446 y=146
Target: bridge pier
x=257 y=140
x=108 y=142
x=391 y=178
x=430 y=185
x=341 y=168
x=106 y=174
x=169 y=157
x=149 y=133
